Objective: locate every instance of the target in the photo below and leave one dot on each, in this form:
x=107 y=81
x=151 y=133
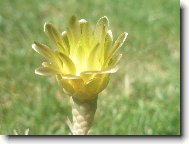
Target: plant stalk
x=83 y=112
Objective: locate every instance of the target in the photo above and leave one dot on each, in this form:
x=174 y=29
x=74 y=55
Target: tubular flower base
x=83 y=112
x=82 y=63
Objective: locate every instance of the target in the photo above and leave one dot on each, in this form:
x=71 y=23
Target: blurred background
x=142 y=98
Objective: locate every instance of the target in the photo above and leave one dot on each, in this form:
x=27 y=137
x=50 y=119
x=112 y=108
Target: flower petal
x=43 y=50
x=86 y=36
x=101 y=28
x=55 y=36
x=78 y=86
x=68 y=65
x=73 y=31
x=70 y=77
x=65 y=40
x=66 y=85
x=88 y=75
x=46 y=71
x=47 y=53
x=105 y=71
x=103 y=83
x=93 y=58
x=46 y=64
x=118 y=43
x=100 y=34
x=92 y=86
x=97 y=84
x=114 y=60
x=113 y=69
x=82 y=21
x=108 y=43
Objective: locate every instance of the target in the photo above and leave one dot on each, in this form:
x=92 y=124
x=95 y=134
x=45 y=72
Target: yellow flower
x=83 y=59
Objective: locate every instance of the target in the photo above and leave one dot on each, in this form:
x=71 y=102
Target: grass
x=142 y=98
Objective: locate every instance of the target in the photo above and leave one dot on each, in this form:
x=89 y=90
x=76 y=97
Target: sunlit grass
x=143 y=97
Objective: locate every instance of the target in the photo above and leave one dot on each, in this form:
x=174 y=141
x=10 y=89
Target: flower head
x=83 y=59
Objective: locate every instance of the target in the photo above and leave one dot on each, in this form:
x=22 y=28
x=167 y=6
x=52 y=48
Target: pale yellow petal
x=48 y=54
x=78 y=86
x=108 y=43
x=70 y=77
x=93 y=58
x=55 y=36
x=46 y=71
x=68 y=65
x=82 y=22
x=103 y=83
x=86 y=36
x=43 y=50
x=118 y=43
x=104 y=71
x=46 y=64
x=65 y=40
x=97 y=84
x=114 y=61
x=68 y=88
x=73 y=32
x=101 y=28
x=49 y=65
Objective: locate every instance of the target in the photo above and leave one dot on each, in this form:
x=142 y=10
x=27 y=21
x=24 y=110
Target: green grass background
x=142 y=98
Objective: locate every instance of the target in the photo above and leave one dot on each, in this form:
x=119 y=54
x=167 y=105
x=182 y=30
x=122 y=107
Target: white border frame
x=132 y=140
